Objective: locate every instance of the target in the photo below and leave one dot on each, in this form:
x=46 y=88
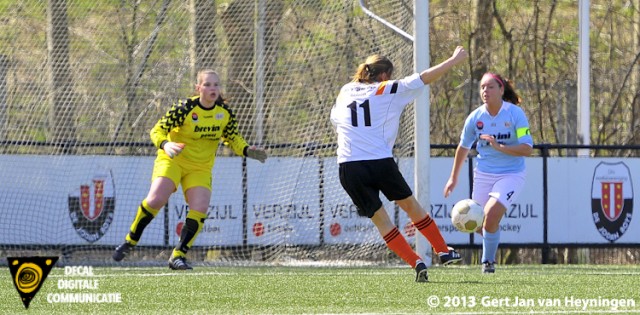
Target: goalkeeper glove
x=172 y=149
x=256 y=154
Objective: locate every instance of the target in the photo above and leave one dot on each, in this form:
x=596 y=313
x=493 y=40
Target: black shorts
x=364 y=180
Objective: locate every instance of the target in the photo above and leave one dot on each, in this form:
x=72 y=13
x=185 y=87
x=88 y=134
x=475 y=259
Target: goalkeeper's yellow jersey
x=200 y=129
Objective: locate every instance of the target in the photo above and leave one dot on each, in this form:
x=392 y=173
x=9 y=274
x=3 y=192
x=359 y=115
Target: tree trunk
x=635 y=101
x=61 y=115
x=4 y=69
x=203 y=36
x=238 y=23
x=480 y=48
x=136 y=71
x=272 y=20
x=481 y=42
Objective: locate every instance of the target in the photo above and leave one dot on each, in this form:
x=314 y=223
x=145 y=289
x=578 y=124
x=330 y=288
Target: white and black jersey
x=367 y=116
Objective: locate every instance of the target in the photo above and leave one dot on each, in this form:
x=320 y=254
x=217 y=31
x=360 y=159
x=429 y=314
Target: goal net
x=82 y=83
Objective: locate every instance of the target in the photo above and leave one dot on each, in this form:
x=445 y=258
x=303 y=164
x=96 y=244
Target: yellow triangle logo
x=28 y=274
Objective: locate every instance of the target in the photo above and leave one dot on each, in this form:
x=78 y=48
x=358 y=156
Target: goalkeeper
x=187 y=137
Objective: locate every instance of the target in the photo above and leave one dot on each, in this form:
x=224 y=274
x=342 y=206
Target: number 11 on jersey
x=354 y=113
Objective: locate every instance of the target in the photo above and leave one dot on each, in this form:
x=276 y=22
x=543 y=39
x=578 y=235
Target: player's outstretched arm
x=256 y=153
x=458 y=160
x=435 y=72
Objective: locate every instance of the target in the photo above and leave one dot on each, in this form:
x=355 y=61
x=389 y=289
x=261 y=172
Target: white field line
x=550 y=312
x=138 y=272
x=153 y=272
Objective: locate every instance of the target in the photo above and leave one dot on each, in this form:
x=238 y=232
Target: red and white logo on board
x=92 y=206
x=92 y=202
x=612 y=199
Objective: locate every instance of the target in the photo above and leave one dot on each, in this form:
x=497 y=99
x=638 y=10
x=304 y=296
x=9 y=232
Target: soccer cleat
x=121 y=251
x=179 y=263
x=449 y=258
x=488 y=267
x=421 y=272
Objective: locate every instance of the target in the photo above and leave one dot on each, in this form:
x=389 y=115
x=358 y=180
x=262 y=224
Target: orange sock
x=398 y=244
x=430 y=230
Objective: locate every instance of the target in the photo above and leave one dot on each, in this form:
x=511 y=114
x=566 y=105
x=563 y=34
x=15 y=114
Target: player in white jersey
x=366 y=116
x=500 y=130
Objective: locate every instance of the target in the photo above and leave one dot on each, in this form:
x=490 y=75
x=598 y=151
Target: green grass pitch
x=514 y=289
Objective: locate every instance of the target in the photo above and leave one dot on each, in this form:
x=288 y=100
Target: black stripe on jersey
x=394 y=87
x=231 y=130
x=177 y=114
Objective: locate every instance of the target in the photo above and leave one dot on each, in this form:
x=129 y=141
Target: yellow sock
x=143 y=218
x=192 y=226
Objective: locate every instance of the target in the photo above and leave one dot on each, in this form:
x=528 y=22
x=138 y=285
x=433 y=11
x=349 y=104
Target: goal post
x=422 y=106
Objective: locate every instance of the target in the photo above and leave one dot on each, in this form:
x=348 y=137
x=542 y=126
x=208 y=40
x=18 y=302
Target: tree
x=61 y=87
x=134 y=71
x=239 y=21
x=203 y=53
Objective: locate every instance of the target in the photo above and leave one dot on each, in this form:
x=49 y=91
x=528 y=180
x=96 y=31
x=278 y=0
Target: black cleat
x=179 y=263
x=421 y=272
x=121 y=251
x=488 y=267
x=449 y=258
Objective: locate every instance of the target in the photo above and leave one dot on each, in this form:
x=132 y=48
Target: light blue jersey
x=509 y=127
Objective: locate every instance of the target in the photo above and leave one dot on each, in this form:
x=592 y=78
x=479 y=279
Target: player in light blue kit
x=500 y=130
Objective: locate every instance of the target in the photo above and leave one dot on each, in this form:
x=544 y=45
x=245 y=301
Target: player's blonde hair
x=204 y=72
x=368 y=71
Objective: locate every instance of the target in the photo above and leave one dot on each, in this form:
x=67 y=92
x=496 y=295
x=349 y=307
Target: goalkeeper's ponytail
x=369 y=71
